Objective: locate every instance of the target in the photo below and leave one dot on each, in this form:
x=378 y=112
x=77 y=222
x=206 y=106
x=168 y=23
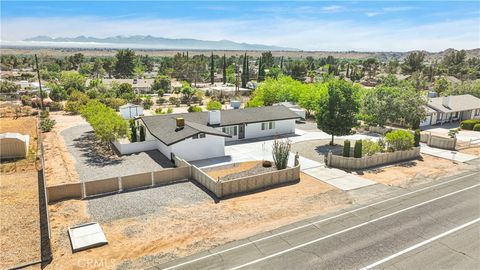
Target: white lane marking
x=350 y=228
x=421 y=244
x=316 y=222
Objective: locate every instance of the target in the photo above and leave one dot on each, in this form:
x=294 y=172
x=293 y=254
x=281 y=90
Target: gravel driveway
x=92 y=164
x=145 y=201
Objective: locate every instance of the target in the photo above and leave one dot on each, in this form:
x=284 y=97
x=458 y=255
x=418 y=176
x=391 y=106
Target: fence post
x=153 y=179
x=120 y=185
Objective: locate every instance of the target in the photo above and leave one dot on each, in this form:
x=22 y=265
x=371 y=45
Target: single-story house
x=451 y=108
x=195 y=136
x=129 y=110
x=139 y=85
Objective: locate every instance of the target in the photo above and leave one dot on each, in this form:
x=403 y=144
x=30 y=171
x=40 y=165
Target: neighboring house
x=294 y=108
x=194 y=136
x=138 y=85
x=451 y=108
x=129 y=110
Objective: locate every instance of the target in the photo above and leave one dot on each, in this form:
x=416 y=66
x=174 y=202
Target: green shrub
x=169 y=110
x=159 y=111
x=416 y=138
x=214 y=105
x=346 y=148
x=142 y=133
x=106 y=123
x=370 y=147
x=469 y=124
x=357 y=150
x=160 y=101
x=55 y=106
x=194 y=109
x=399 y=140
x=476 y=127
x=47 y=124
x=44 y=114
x=133 y=130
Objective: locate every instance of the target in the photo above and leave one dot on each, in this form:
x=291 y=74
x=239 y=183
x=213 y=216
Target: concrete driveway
x=262 y=150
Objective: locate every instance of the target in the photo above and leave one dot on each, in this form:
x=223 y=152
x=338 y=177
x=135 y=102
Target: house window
x=268 y=125
x=232 y=131
x=198 y=136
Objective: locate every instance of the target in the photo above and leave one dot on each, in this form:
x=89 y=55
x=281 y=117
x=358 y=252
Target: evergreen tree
x=261 y=71
x=224 y=69
x=281 y=63
x=125 y=64
x=244 y=71
x=212 y=69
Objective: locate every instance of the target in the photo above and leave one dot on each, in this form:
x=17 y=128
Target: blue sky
x=324 y=25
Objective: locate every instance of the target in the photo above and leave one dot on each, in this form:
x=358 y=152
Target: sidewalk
x=339 y=178
x=446 y=154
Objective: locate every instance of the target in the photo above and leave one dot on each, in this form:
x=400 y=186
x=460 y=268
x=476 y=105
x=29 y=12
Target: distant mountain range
x=150 y=42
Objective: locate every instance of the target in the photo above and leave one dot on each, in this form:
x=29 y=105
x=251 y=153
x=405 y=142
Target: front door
x=241 y=131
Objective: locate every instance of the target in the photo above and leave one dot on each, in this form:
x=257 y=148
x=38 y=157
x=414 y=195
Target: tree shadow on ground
x=336 y=149
x=96 y=153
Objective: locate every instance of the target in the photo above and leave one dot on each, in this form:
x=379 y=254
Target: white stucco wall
x=281 y=127
x=202 y=148
x=164 y=149
x=136 y=147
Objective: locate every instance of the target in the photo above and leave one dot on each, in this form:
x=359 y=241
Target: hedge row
x=469 y=124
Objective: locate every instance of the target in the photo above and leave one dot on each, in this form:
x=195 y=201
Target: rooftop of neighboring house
x=454 y=103
x=165 y=129
x=143 y=83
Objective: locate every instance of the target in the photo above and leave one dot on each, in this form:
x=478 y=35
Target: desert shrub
x=194 y=109
x=399 y=140
x=214 y=105
x=476 y=127
x=73 y=107
x=47 y=124
x=174 y=101
x=159 y=111
x=55 y=106
x=370 y=147
x=346 y=148
x=416 y=138
x=44 y=114
x=357 y=150
x=147 y=103
x=160 y=101
x=281 y=151
x=381 y=142
x=452 y=133
x=469 y=124
x=169 y=110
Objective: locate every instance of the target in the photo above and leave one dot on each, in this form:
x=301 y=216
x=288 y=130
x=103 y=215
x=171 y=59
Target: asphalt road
x=432 y=227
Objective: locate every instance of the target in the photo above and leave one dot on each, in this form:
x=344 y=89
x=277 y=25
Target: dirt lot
x=59 y=163
x=238 y=170
x=180 y=230
x=471 y=151
x=415 y=172
x=19 y=209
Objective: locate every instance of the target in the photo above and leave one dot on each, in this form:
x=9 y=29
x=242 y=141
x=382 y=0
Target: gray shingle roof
x=163 y=127
x=455 y=103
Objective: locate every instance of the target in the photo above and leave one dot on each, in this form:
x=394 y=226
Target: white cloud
x=372 y=14
x=333 y=8
x=305 y=33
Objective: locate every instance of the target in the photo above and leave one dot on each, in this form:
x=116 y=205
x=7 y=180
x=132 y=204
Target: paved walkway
x=339 y=178
x=447 y=154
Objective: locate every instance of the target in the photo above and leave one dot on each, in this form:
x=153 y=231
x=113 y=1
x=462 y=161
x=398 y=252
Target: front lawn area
x=238 y=170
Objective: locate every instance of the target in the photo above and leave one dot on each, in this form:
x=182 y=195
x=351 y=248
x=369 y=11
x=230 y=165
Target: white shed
x=129 y=111
x=13 y=145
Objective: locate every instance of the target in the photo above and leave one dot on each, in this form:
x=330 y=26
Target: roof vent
x=446 y=102
x=180 y=122
x=214 y=117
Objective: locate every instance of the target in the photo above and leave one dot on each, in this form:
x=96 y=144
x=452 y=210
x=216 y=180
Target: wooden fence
x=438 y=141
x=351 y=163
x=117 y=184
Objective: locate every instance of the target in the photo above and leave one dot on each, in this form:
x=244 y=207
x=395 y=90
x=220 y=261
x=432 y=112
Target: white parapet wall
x=126 y=148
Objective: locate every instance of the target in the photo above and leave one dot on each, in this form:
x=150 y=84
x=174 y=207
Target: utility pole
x=39 y=83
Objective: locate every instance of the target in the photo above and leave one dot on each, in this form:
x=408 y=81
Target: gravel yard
x=317 y=149
x=238 y=170
x=93 y=164
x=145 y=201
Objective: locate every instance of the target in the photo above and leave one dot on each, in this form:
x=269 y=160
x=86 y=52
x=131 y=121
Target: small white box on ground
x=86 y=236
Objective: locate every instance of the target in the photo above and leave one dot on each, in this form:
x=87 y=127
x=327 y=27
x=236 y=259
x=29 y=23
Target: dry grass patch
x=415 y=172
x=153 y=239
x=19 y=202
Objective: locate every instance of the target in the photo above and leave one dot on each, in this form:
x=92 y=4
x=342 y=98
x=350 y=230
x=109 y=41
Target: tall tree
x=336 y=114
x=268 y=60
x=244 y=71
x=212 y=69
x=281 y=63
x=224 y=69
x=413 y=62
x=125 y=64
x=261 y=70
